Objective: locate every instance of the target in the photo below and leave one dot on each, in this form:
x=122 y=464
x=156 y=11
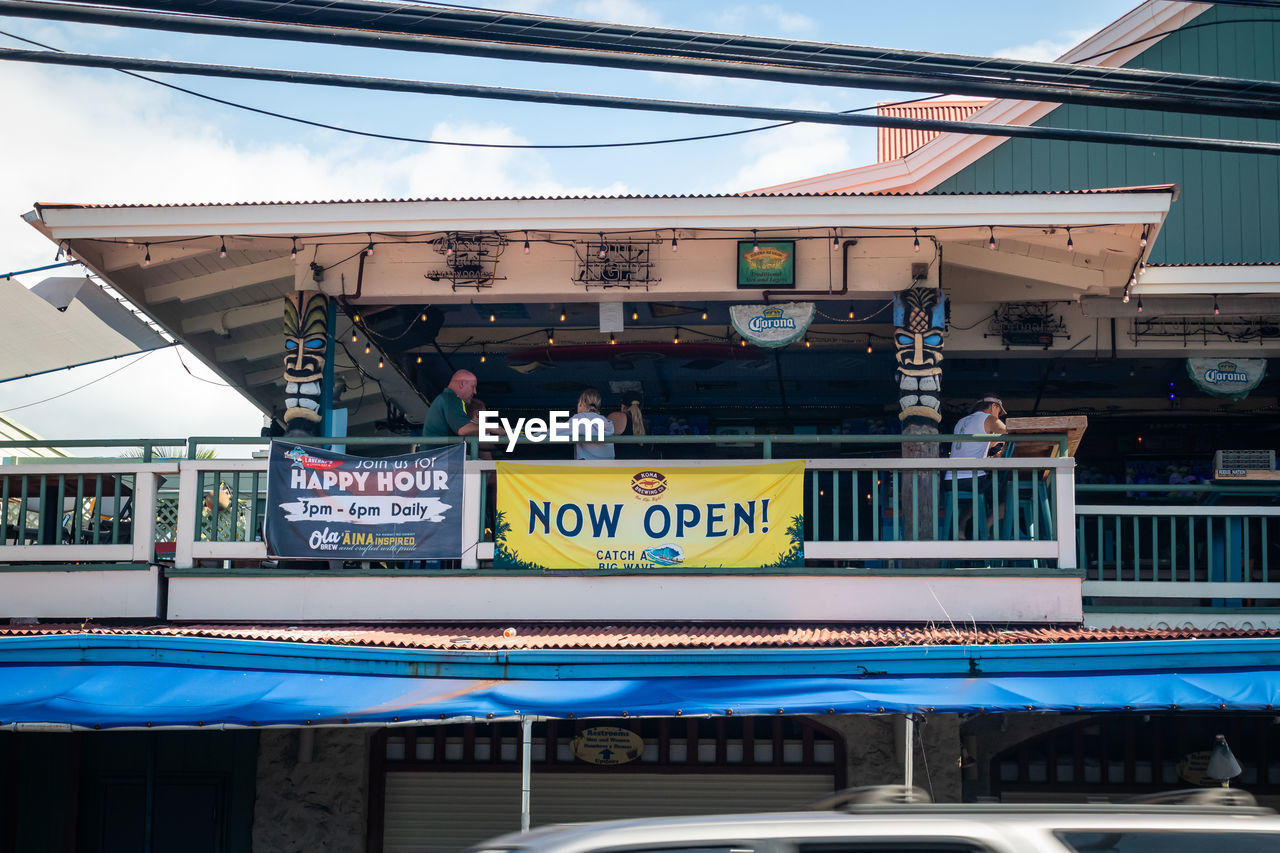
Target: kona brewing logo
x=648 y=484
x=1226 y=371
x=770 y=318
x=766 y=258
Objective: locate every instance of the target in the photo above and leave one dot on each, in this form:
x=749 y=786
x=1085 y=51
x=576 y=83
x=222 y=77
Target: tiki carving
x=919 y=314
x=306 y=335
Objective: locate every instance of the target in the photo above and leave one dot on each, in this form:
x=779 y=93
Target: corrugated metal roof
x=894 y=143
x=637 y=636
x=1154 y=188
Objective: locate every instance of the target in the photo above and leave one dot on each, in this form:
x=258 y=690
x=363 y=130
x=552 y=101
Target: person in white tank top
x=985 y=418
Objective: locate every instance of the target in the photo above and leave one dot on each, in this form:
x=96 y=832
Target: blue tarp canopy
x=185 y=682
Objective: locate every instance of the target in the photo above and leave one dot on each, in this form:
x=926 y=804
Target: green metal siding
x=1229 y=208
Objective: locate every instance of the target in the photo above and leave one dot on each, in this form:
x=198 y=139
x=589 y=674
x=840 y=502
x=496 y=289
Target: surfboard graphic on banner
x=772 y=325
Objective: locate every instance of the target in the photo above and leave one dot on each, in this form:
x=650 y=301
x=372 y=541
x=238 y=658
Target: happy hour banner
x=624 y=516
x=331 y=506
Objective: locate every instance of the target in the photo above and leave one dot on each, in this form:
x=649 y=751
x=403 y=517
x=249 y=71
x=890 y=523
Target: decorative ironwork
x=1026 y=324
x=1202 y=330
x=470 y=260
x=617 y=263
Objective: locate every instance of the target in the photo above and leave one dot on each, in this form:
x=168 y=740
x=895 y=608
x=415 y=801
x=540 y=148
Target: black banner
x=331 y=506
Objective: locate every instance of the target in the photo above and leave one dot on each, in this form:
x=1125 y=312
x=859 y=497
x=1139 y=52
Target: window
x=1149 y=841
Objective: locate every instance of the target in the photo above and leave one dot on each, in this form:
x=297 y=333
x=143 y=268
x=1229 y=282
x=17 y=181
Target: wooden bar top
x=1072 y=425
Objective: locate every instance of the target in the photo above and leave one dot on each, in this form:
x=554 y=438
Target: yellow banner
x=628 y=516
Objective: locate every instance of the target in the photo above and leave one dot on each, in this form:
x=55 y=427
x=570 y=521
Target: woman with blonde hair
x=628 y=420
x=589 y=421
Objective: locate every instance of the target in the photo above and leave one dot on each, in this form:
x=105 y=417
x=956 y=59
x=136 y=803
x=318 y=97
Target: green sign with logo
x=770 y=264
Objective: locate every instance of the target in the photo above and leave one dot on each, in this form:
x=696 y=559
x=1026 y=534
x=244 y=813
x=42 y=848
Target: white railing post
x=144 y=517
x=1065 y=511
x=184 y=533
x=472 y=479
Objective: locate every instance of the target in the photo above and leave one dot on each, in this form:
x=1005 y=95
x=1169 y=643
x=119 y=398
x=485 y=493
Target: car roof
x=961 y=821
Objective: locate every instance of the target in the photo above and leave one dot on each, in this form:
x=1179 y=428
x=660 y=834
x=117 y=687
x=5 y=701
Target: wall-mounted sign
x=1026 y=324
x=1227 y=377
x=772 y=325
x=607 y=745
x=1193 y=767
x=769 y=264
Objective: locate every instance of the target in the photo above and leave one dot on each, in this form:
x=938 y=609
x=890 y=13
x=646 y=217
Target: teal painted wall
x=1229 y=207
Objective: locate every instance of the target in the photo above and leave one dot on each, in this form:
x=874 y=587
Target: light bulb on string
x=704 y=313
x=222 y=247
x=355 y=318
x=1071 y=246
x=551 y=340
x=353 y=336
x=806 y=342
x=675 y=242
x=635 y=315
x=379 y=364
x=676 y=338
x=561 y=315
x=448 y=245
x=492 y=317
x=293 y=251
x=612 y=340
x=368 y=250
x=1142 y=267
x=483 y=355
x=850 y=312
x=991 y=241
x=146 y=259
x=915 y=239
x=1139 y=304
x=742 y=341
x=603 y=252
x=835 y=242
x=366 y=349
x=1216 y=310
x=526 y=242
x=1142 y=241
x=1125 y=297
x=755 y=241
x=424 y=316
x=419 y=359
x=869 y=346
x=57 y=256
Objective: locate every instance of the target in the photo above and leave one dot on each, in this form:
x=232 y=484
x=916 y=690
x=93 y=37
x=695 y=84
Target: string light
x=612 y=340
x=635 y=315
x=356 y=317
x=146 y=259
x=492 y=317
x=850 y=312
x=366 y=349
x=57 y=256
x=551 y=341
x=526 y=242
x=1139 y=304
x=1143 y=240
x=483 y=356
x=1142 y=267
x=675 y=242
x=704 y=313
x=676 y=338
x=1071 y=246
x=353 y=336
x=293 y=252
x=1125 y=297
x=379 y=364
x=424 y=316
x=991 y=241
x=603 y=252
x=806 y=342
x=915 y=242
x=222 y=247
x=1216 y=310
x=561 y=315
x=743 y=341
x=835 y=241
x=755 y=241
x=419 y=359
x=868 y=346
x=368 y=251
x=448 y=245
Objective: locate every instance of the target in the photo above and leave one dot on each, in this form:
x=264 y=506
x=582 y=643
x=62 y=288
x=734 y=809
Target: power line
x=80 y=387
x=556 y=40
x=642 y=104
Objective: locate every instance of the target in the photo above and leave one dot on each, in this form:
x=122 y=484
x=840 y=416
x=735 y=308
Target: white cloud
x=763 y=19
x=1048 y=49
x=617 y=12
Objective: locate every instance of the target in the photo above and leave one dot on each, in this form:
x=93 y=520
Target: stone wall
x=312 y=803
x=873 y=747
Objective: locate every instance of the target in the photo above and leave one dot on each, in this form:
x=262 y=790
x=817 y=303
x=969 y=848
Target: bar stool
x=965 y=489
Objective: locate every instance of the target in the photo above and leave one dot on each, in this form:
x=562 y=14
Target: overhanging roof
x=156 y=682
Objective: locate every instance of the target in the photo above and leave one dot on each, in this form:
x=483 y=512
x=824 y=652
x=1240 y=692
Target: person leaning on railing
x=986 y=417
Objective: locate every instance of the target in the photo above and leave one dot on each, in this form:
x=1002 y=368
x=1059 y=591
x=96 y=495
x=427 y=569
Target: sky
x=98 y=136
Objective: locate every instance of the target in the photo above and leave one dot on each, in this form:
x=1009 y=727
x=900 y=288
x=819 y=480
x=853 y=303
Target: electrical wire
x=198 y=378
x=81 y=387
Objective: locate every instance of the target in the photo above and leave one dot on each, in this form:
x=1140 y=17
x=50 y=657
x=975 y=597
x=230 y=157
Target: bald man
x=451 y=412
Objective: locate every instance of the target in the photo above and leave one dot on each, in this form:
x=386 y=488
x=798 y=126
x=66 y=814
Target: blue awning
x=147 y=686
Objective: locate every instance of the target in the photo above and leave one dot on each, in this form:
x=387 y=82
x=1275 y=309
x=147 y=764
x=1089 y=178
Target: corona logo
x=770 y=318
x=1226 y=371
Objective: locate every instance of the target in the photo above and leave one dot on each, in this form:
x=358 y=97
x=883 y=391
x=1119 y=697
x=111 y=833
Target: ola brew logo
x=648 y=484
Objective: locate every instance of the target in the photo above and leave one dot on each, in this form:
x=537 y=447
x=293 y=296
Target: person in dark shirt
x=451 y=412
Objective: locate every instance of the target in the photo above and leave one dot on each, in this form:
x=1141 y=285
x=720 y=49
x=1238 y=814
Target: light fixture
x=868 y=346
x=293 y=252
x=806 y=342
x=603 y=252
x=755 y=241
x=1142 y=267
x=551 y=341
x=379 y=364
x=835 y=241
x=424 y=316
x=492 y=317
x=222 y=247
x=146 y=259
x=850 y=312
x=419 y=359
x=526 y=242
x=355 y=318
x=57 y=256
x=675 y=242
x=1139 y=304
x=1071 y=246
x=635 y=315
x=368 y=250
x=612 y=340
x=483 y=356
x=704 y=313
x=743 y=341
x=561 y=315
x=353 y=336
x=1143 y=240
x=991 y=241
x=366 y=349
x=448 y=245
x=676 y=338
x=915 y=242
x=1216 y=310
x=1125 y=297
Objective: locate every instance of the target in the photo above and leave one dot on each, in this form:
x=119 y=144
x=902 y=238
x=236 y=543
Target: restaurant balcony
x=886 y=539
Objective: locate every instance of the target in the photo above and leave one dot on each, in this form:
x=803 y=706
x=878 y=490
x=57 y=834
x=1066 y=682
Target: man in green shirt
x=450 y=413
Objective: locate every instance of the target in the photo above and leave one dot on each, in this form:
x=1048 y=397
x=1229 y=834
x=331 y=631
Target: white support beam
x=1210 y=280
x=222 y=322
x=221 y=281
x=1074 y=275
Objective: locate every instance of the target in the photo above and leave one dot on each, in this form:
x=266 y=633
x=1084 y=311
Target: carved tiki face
x=306 y=333
x=919 y=314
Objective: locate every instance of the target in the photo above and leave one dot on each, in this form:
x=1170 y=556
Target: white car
x=1203 y=821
